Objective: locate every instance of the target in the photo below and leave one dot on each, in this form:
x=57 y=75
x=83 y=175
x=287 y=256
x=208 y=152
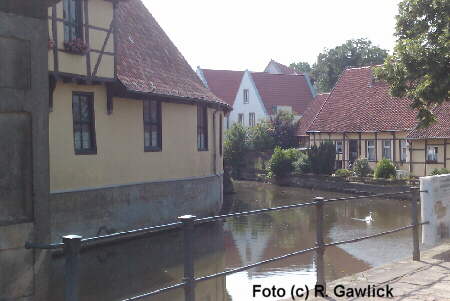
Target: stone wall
x=341 y=185
x=110 y=209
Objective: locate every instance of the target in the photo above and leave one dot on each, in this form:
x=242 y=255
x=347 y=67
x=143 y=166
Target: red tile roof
x=283 y=90
x=148 y=61
x=440 y=129
x=359 y=104
x=223 y=83
x=282 y=68
x=311 y=113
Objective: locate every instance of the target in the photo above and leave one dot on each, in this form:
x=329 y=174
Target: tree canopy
x=420 y=65
x=301 y=67
x=353 y=53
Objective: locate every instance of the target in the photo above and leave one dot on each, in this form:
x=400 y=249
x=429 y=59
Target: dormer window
x=73 y=20
x=246 y=96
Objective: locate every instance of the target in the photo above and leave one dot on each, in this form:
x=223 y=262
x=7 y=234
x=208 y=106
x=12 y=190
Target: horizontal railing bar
x=365 y=196
x=251 y=212
x=156 y=292
x=135 y=231
x=373 y=235
x=225 y=273
x=209 y=219
x=29 y=245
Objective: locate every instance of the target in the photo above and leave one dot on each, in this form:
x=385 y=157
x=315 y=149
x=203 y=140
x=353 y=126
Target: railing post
x=319 y=242
x=72 y=247
x=188 y=254
x=415 y=197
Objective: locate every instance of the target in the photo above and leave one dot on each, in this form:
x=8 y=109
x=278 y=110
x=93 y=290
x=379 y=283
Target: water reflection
x=118 y=271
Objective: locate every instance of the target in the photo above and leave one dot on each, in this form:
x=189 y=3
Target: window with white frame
x=251 y=119
x=432 y=153
x=387 y=149
x=338 y=144
x=246 y=96
x=241 y=119
x=371 y=151
x=403 y=150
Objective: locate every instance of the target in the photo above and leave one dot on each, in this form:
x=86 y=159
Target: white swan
x=368 y=219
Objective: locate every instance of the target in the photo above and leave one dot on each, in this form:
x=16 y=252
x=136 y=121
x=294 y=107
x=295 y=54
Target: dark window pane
x=154 y=111
x=85 y=109
x=86 y=136
x=76 y=108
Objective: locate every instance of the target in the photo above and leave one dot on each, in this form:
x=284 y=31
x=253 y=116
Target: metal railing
x=72 y=244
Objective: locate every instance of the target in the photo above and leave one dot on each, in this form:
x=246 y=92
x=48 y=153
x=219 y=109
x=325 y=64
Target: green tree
x=301 y=67
x=261 y=136
x=322 y=158
x=420 y=65
x=235 y=147
x=284 y=129
x=353 y=53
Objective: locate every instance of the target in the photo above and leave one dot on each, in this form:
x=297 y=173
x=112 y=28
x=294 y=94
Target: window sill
x=152 y=149
x=202 y=149
x=431 y=162
x=86 y=152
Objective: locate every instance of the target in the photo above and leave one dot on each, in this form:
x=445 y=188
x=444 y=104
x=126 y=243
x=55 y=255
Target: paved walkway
x=425 y=280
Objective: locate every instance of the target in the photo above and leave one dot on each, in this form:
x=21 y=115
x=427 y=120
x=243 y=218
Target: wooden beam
x=360 y=146
x=105 y=42
x=55 y=40
x=109 y=99
x=426 y=146
x=376 y=147
x=343 y=151
x=445 y=153
x=51 y=88
x=393 y=147
x=86 y=37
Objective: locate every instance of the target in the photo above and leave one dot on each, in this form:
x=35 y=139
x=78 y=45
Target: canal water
x=127 y=268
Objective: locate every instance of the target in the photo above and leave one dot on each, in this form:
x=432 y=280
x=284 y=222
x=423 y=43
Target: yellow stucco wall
x=120 y=157
x=100 y=15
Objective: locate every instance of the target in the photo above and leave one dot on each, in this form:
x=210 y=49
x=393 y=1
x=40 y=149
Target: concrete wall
x=120 y=157
x=435 y=201
x=24 y=149
x=117 y=208
x=100 y=15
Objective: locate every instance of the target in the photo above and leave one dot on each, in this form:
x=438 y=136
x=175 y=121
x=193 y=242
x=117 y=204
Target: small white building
x=257 y=96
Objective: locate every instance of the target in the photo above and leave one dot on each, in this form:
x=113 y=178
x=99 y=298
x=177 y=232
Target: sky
x=247 y=34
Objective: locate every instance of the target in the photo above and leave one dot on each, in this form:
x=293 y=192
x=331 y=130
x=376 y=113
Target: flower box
x=76 y=46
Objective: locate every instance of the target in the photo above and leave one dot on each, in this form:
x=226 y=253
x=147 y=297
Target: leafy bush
x=261 y=136
x=343 y=173
x=442 y=171
x=322 y=158
x=281 y=163
x=235 y=146
x=361 y=168
x=385 y=169
x=284 y=129
x=303 y=164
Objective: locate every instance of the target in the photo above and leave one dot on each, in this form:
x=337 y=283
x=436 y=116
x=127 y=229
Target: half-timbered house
x=135 y=138
x=364 y=121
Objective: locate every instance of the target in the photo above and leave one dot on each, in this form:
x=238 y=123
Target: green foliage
x=361 y=168
x=420 y=65
x=442 y=171
x=303 y=164
x=385 y=169
x=281 y=163
x=261 y=136
x=235 y=146
x=284 y=129
x=322 y=158
x=332 y=62
x=301 y=67
x=345 y=173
